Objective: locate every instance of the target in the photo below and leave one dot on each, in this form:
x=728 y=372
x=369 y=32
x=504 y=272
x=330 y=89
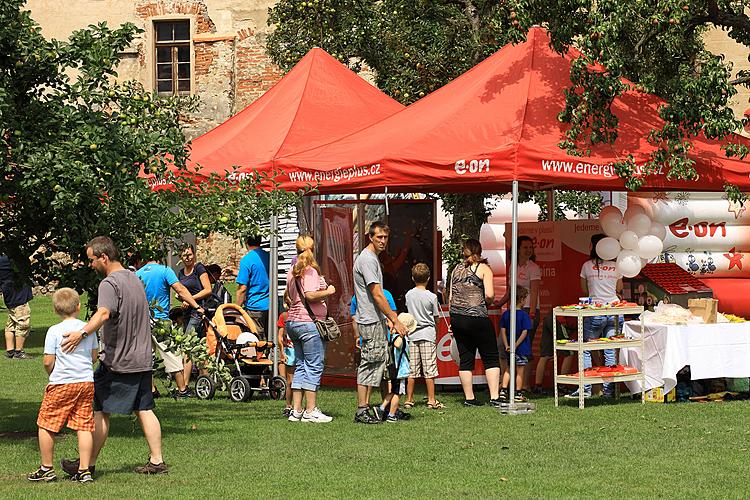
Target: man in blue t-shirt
x=252 y=278
x=158 y=280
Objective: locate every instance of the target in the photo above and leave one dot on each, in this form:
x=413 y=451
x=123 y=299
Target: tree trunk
x=469 y=213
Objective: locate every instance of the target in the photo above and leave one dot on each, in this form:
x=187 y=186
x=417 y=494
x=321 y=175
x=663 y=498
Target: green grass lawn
x=219 y=448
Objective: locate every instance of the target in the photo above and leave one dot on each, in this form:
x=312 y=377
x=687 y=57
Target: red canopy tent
x=318 y=101
x=495 y=124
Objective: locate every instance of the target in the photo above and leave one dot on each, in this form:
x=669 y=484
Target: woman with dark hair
x=530 y=277
x=470 y=291
x=600 y=281
x=195 y=278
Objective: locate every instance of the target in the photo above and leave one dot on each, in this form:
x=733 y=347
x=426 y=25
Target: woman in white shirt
x=529 y=277
x=600 y=281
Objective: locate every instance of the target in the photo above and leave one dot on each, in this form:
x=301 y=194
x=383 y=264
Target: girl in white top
x=600 y=281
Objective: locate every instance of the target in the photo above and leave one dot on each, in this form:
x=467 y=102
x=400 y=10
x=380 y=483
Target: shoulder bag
x=327 y=327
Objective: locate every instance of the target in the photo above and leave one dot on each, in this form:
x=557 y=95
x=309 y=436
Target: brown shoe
x=151 y=468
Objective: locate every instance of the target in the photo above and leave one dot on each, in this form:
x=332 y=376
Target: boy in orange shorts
x=69 y=396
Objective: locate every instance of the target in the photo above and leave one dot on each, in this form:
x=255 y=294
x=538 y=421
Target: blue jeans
x=595 y=327
x=309 y=351
x=194 y=322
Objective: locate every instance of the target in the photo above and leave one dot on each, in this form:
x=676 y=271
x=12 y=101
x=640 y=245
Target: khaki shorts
x=373 y=356
x=19 y=321
x=172 y=362
x=423 y=359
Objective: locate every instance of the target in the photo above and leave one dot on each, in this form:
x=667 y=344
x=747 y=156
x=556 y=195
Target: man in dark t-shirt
x=122 y=381
x=17 y=298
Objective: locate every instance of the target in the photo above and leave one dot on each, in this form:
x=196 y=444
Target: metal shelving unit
x=598 y=345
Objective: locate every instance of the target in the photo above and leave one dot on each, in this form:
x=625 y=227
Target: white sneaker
x=316 y=416
x=295 y=416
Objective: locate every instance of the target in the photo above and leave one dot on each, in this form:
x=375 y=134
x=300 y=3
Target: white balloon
x=632 y=211
x=612 y=225
x=658 y=230
x=640 y=224
x=608 y=248
x=628 y=263
x=610 y=209
x=629 y=240
x=649 y=246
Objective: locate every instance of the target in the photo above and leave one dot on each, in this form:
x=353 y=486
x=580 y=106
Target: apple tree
x=73 y=143
x=659 y=46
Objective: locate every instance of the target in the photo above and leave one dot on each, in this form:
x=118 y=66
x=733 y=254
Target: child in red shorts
x=69 y=396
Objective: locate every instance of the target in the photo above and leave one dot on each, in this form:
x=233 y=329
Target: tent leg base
x=517 y=408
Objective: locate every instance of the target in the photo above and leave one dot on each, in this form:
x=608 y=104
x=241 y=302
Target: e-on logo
x=474 y=166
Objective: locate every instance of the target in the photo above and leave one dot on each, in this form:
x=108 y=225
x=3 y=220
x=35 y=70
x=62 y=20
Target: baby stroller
x=232 y=337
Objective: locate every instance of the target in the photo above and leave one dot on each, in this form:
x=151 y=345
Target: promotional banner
x=560 y=248
x=447 y=365
x=707 y=264
x=710 y=207
x=336 y=260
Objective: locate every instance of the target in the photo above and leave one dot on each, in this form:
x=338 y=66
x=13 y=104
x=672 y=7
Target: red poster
x=337 y=262
x=447 y=367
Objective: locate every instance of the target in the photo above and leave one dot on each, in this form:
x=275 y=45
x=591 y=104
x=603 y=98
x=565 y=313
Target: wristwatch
x=84 y=333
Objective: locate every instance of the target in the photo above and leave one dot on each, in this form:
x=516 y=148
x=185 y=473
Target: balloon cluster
x=632 y=239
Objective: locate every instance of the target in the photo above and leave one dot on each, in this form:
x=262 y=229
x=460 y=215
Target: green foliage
x=657 y=45
x=176 y=340
x=581 y=202
x=73 y=141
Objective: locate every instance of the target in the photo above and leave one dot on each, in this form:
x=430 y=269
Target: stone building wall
x=718 y=42
x=229 y=69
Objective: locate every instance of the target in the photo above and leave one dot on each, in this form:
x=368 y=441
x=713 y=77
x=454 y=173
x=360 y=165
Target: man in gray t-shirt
x=122 y=381
x=372 y=311
x=126 y=336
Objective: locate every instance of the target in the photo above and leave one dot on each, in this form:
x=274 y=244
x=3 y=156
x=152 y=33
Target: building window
x=172 y=57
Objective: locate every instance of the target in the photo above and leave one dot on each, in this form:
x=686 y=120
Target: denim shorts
x=309 y=353
x=520 y=360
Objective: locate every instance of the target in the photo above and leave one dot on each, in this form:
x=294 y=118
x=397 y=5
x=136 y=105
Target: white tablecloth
x=715 y=350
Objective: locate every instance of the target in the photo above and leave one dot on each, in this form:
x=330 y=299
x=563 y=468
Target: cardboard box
x=656 y=395
x=704 y=308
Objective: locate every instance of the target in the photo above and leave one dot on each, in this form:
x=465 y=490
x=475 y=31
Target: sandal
x=437 y=405
x=409 y=404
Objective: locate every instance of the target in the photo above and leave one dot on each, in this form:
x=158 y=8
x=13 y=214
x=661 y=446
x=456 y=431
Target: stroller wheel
x=205 y=387
x=277 y=388
x=239 y=389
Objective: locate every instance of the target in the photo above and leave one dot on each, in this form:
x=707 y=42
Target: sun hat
x=408 y=321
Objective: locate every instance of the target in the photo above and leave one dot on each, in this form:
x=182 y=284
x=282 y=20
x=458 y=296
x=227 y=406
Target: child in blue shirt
x=523 y=346
x=399 y=369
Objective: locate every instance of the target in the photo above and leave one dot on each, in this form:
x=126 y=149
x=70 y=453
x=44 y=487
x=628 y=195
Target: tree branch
x=644 y=39
x=745 y=80
x=727 y=19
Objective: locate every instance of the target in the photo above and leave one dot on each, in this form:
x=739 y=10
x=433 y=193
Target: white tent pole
x=273 y=291
x=513 y=283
